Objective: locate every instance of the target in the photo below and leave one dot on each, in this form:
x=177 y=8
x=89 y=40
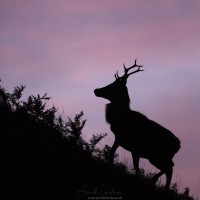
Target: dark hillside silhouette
x=136 y=133
x=45 y=157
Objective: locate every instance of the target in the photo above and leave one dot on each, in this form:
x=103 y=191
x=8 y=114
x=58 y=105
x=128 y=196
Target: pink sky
x=69 y=48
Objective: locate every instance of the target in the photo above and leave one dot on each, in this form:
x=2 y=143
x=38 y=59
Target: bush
x=43 y=156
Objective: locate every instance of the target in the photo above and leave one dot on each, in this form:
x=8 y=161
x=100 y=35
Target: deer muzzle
x=102 y=92
x=97 y=92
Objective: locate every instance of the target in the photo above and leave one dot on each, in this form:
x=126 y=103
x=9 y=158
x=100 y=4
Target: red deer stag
x=136 y=133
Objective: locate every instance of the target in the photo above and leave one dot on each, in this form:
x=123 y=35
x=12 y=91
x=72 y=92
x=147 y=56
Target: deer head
x=117 y=90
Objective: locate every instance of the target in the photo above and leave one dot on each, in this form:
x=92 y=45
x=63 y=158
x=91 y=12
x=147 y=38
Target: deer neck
x=115 y=111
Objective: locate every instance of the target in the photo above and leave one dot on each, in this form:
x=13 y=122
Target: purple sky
x=69 y=48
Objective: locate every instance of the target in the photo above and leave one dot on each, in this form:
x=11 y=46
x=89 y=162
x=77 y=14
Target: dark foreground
x=39 y=162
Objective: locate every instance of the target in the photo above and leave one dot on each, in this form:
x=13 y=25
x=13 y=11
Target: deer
x=135 y=132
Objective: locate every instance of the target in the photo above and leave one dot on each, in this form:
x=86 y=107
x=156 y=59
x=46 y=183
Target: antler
x=126 y=70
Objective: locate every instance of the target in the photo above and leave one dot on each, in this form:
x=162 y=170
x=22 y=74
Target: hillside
x=44 y=157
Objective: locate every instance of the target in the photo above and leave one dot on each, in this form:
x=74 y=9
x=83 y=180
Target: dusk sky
x=69 y=48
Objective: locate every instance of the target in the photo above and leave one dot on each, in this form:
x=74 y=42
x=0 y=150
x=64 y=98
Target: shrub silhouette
x=45 y=157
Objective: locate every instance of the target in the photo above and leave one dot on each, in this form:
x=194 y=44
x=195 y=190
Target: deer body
x=140 y=135
x=136 y=133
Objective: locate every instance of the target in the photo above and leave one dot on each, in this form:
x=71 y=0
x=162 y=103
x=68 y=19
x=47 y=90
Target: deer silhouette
x=136 y=133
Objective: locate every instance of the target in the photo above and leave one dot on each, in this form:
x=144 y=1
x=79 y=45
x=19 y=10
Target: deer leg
x=166 y=168
x=136 y=159
x=168 y=173
x=112 y=151
x=156 y=177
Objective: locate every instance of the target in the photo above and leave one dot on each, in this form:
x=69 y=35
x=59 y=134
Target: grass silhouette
x=45 y=157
